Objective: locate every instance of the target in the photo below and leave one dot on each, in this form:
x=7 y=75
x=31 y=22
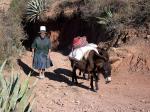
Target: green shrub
x=34 y=10
x=15 y=97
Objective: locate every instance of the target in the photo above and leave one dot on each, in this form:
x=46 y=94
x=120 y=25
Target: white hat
x=42 y=28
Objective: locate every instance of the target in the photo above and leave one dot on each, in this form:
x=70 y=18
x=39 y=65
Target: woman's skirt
x=41 y=61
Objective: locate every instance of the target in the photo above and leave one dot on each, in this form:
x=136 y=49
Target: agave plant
x=15 y=97
x=106 y=17
x=34 y=9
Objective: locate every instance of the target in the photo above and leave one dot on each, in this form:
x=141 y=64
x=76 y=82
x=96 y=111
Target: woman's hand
x=48 y=56
x=32 y=52
x=32 y=55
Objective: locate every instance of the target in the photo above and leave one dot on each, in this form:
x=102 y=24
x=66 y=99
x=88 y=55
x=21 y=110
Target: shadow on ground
x=59 y=74
x=67 y=73
x=26 y=68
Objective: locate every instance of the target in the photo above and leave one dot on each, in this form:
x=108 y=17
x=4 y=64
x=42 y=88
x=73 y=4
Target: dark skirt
x=41 y=61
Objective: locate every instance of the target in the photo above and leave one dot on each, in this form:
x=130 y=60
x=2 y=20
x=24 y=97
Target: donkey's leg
x=96 y=79
x=96 y=84
x=91 y=83
x=74 y=75
x=80 y=72
x=84 y=75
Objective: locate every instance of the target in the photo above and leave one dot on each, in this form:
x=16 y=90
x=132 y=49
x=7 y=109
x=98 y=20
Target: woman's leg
x=39 y=71
x=43 y=72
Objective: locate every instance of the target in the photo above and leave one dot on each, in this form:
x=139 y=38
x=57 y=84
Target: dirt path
x=126 y=93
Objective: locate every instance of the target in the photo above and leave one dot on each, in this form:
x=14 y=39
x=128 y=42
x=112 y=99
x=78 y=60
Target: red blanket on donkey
x=79 y=42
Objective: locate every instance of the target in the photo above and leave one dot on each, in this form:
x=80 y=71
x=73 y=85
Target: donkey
x=93 y=65
x=103 y=54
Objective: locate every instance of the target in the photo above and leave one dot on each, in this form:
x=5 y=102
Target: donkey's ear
x=98 y=48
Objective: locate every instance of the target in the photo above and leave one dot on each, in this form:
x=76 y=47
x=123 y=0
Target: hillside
x=123 y=25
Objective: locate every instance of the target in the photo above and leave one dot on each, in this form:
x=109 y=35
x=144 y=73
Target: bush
x=15 y=97
x=11 y=32
x=124 y=13
x=123 y=10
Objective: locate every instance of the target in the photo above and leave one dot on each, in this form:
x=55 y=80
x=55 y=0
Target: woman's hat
x=42 y=29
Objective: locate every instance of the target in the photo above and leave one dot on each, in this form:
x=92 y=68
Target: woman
x=41 y=49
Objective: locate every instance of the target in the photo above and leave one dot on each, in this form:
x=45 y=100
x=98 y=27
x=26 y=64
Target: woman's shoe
x=41 y=76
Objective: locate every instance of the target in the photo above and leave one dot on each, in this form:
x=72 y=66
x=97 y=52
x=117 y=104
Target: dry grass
x=11 y=34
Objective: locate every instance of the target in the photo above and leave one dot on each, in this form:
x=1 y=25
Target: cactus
x=34 y=9
x=15 y=96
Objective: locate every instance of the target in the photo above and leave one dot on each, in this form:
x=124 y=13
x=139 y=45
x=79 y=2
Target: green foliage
x=124 y=12
x=105 y=17
x=34 y=9
x=15 y=96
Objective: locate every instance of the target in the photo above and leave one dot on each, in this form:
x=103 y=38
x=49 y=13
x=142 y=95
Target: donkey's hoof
x=107 y=82
x=76 y=83
x=92 y=89
x=97 y=89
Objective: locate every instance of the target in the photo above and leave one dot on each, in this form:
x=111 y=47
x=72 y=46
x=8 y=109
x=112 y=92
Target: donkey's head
x=106 y=70
x=104 y=67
